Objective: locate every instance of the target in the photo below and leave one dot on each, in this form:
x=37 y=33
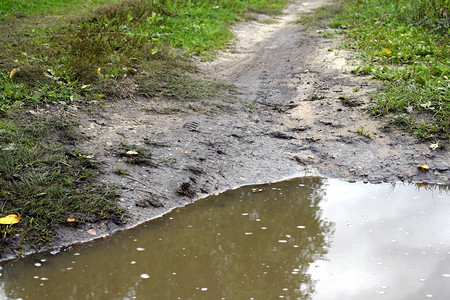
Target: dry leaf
x=10 y=219
x=14 y=72
x=421 y=184
x=423 y=167
x=132 y=152
x=257 y=190
x=72 y=220
x=434 y=146
x=91 y=232
x=386 y=51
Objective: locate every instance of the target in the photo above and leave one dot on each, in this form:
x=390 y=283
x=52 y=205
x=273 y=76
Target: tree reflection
x=263 y=263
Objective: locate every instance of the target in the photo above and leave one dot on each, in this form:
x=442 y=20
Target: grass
x=363 y=132
x=83 y=53
x=321 y=16
x=45 y=181
x=406 y=45
x=26 y=7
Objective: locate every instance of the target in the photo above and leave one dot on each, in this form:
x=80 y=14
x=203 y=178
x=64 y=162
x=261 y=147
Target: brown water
x=307 y=238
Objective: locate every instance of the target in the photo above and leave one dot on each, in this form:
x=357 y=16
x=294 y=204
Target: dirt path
x=297 y=114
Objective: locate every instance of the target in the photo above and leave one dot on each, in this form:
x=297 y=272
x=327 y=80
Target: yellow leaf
x=99 y=70
x=72 y=220
x=14 y=72
x=386 y=51
x=10 y=219
x=423 y=167
x=421 y=184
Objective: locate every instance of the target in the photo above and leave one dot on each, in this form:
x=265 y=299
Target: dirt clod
x=186 y=189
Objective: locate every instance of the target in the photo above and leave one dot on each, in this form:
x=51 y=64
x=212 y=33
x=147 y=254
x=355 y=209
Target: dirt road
x=297 y=113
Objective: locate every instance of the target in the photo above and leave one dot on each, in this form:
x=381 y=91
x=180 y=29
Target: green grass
x=45 y=180
x=321 y=16
x=363 y=132
x=27 y=7
x=406 y=45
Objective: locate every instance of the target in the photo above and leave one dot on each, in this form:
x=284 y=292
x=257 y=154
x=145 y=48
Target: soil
x=296 y=113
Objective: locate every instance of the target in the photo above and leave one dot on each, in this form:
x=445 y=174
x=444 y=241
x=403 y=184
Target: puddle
x=307 y=238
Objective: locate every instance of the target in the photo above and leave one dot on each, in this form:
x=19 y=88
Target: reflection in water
x=307 y=238
x=239 y=245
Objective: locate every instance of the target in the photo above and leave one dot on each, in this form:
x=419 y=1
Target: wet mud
x=296 y=112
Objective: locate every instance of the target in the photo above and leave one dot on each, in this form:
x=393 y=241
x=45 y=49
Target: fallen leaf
x=421 y=184
x=91 y=232
x=14 y=72
x=72 y=220
x=386 y=51
x=423 y=167
x=10 y=219
x=257 y=190
x=132 y=152
x=434 y=146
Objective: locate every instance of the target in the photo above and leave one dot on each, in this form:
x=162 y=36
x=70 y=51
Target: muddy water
x=307 y=238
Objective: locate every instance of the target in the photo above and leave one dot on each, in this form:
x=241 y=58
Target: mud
x=296 y=114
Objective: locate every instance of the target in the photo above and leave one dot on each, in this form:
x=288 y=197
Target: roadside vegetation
x=405 y=44
x=59 y=54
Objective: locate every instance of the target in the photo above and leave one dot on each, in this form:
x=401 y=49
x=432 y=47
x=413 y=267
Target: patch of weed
x=163 y=110
x=155 y=143
x=321 y=16
x=121 y=171
x=175 y=83
x=270 y=21
x=327 y=34
x=363 y=132
x=45 y=182
x=406 y=44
